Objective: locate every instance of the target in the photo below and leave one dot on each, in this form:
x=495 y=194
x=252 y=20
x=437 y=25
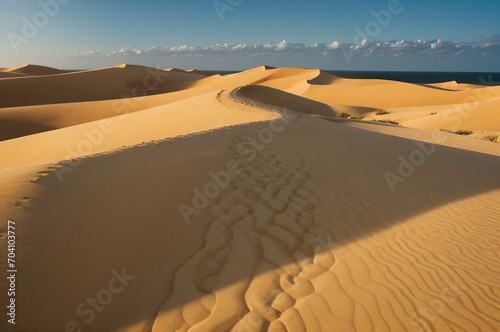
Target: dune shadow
x=277 y=98
x=10 y=129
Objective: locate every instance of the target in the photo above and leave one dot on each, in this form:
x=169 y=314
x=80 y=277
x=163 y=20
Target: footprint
x=20 y=202
x=35 y=179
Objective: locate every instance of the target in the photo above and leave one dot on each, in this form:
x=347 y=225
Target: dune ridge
x=303 y=232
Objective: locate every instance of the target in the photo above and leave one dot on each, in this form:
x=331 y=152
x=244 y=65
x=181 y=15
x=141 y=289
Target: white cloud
x=87 y=54
x=335 y=45
x=282 y=46
x=296 y=54
x=395 y=48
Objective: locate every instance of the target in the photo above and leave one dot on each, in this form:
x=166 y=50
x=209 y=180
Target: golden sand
x=242 y=203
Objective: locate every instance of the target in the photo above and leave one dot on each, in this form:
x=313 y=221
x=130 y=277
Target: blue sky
x=81 y=26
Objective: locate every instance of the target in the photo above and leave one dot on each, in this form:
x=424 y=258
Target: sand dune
x=389 y=94
x=218 y=203
x=33 y=70
x=479 y=115
x=27 y=120
x=191 y=71
x=108 y=83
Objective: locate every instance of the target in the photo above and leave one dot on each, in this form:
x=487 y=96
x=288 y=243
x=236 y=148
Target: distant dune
x=33 y=70
x=274 y=199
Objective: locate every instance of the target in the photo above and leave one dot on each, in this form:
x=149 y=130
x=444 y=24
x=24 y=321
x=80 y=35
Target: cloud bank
x=368 y=55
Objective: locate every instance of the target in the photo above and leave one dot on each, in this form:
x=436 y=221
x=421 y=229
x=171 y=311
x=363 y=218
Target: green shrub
x=381 y=112
x=493 y=138
x=389 y=121
x=463 y=132
x=343 y=115
x=458 y=132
